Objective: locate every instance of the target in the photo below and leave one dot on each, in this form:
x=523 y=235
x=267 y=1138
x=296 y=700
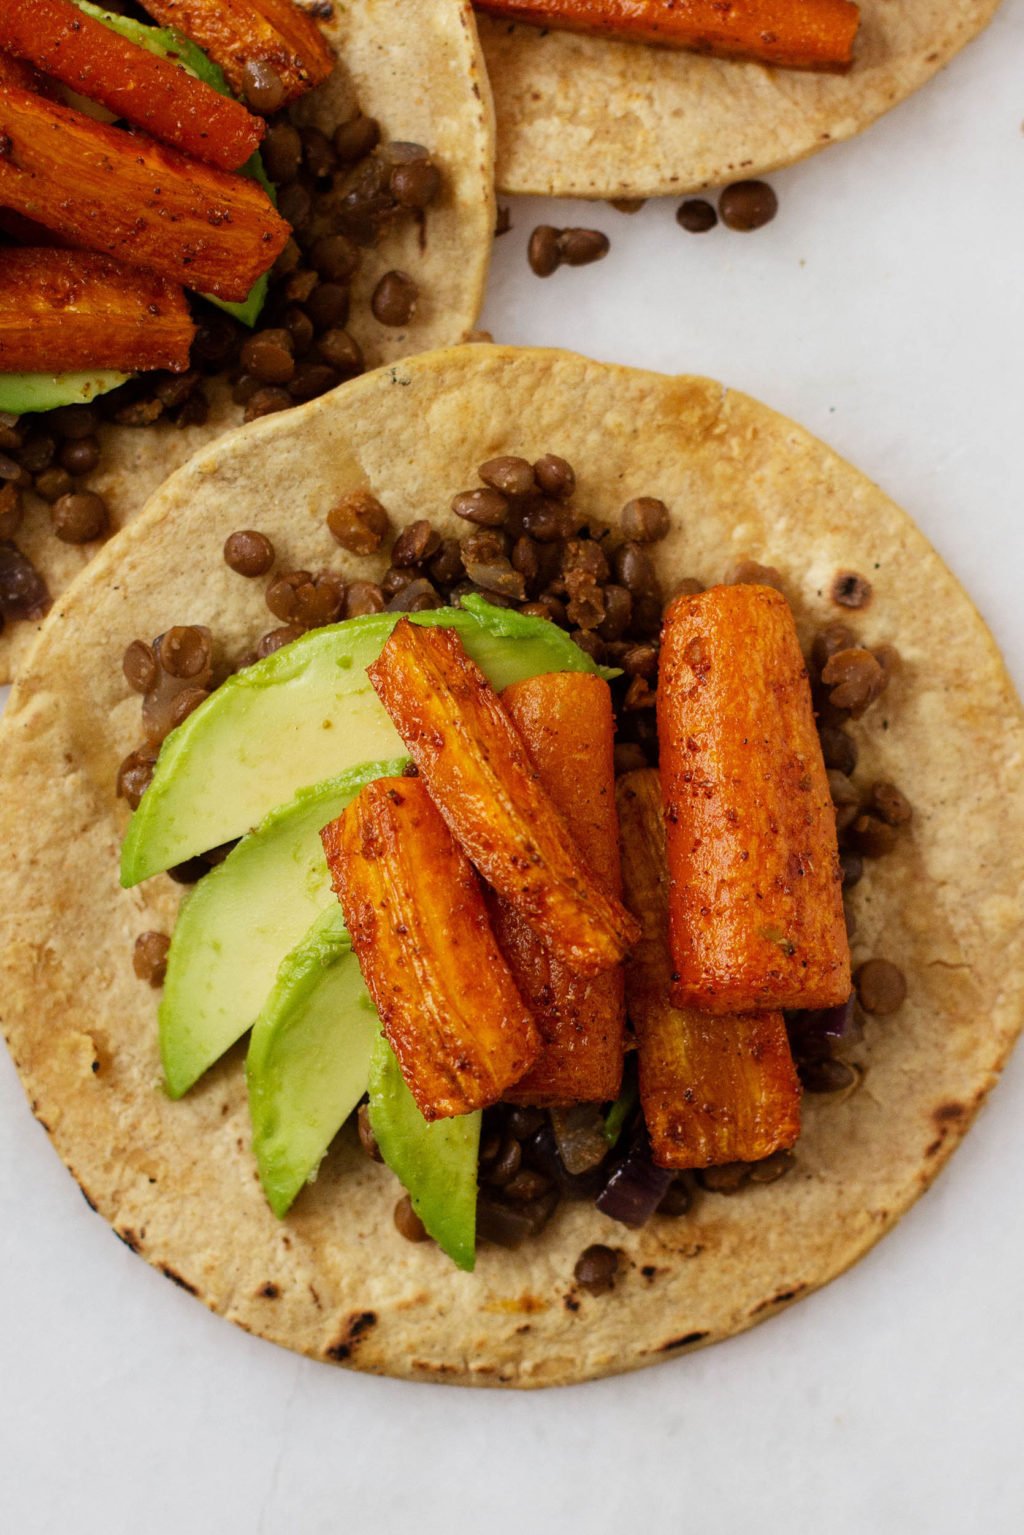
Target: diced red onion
x=636 y=1187
x=826 y=1032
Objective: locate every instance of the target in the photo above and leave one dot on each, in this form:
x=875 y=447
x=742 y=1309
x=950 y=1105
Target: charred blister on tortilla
x=342 y=194
x=545 y=556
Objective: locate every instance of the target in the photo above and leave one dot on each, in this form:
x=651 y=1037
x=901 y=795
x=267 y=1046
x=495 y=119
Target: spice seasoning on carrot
x=415 y=910
x=152 y=92
x=482 y=781
x=246 y=35
x=816 y=34
x=755 y=899
x=714 y=1090
x=125 y=195
x=62 y=311
x=566 y=722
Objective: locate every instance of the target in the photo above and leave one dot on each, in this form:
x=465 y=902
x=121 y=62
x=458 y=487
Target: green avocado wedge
x=309 y=1058
x=303 y=715
x=167 y=43
x=241 y=920
x=437 y=1163
x=22 y=394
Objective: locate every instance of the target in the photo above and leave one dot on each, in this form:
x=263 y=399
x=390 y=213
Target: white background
x=884 y=310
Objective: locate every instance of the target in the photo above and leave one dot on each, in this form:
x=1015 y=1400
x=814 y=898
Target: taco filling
x=547 y=886
x=195 y=219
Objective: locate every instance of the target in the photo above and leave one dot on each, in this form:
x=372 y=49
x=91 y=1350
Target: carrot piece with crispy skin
x=236 y=32
x=16 y=72
x=756 y=906
x=62 y=311
x=482 y=781
x=415 y=911
x=129 y=197
x=566 y=722
x=815 y=34
x=143 y=88
x=713 y=1089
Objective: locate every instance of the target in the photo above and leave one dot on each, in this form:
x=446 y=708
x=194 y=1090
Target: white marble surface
x=884 y=309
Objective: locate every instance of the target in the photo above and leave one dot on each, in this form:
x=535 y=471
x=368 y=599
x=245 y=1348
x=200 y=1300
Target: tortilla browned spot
x=739 y=481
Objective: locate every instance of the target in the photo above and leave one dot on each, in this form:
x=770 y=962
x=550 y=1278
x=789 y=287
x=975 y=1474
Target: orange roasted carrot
x=129 y=197
x=415 y=911
x=756 y=906
x=152 y=92
x=235 y=33
x=62 y=311
x=566 y=722
x=713 y=1090
x=810 y=34
x=17 y=72
x=482 y=781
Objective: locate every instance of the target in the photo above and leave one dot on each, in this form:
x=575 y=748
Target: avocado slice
x=309 y=1058
x=300 y=716
x=437 y=1163
x=239 y=922
x=25 y=393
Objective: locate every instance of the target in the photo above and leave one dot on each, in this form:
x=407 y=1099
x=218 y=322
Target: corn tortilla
x=427 y=85
x=335 y=1280
x=584 y=117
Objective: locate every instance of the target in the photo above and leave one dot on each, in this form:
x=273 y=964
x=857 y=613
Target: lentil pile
x=530 y=545
x=342 y=195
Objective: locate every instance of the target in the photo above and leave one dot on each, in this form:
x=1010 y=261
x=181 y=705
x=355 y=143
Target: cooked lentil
x=881 y=987
x=80 y=518
x=873 y=837
x=249 y=553
x=149 y=958
x=747 y=205
x=596 y=1268
x=544 y=251
x=645 y=520
x=890 y=803
x=367 y=1139
x=408 y=1223
x=359 y=523
x=696 y=215
x=395 y=299
x=140 y=666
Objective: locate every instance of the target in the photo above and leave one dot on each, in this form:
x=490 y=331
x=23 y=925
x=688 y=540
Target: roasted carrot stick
x=482 y=781
x=238 y=32
x=16 y=72
x=814 y=34
x=713 y=1090
x=416 y=914
x=141 y=87
x=61 y=311
x=566 y=722
x=756 y=907
x=120 y=193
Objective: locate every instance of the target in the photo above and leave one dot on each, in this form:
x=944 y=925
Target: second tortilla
x=582 y=117
x=425 y=86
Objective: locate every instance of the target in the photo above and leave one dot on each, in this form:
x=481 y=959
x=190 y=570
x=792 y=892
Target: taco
x=908 y=686
x=582 y=116
x=424 y=87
